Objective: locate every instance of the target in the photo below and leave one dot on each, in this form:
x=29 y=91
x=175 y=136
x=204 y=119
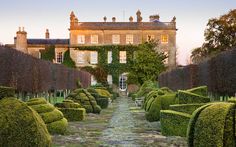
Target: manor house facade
x=102 y=34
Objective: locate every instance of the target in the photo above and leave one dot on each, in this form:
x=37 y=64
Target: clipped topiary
x=53 y=118
x=185 y=97
x=86 y=100
x=72 y=111
x=146 y=88
x=166 y=90
x=102 y=101
x=186 y=108
x=6 y=92
x=21 y=126
x=201 y=90
x=213 y=125
x=174 y=123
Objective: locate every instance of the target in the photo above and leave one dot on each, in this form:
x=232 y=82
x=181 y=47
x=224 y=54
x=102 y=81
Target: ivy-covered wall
x=115 y=68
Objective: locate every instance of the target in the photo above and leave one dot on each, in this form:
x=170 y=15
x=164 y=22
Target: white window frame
x=81 y=57
x=94 y=39
x=152 y=37
x=129 y=39
x=116 y=39
x=93 y=57
x=109 y=57
x=109 y=79
x=123 y=56
x=166 y=60
x=123 y=82
x=81 y=39
x=164 y=38
x=59 y=57
x=93 y=80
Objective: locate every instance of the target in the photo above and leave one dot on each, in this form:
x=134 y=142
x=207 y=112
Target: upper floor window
x=164 y=38
x=81 y=57
x=94 y=39
x=116 y=39
x=150 y=37
x=109 y=57
x=93 y=57
x=122 y=56
x=129 y=39
x=81 y=39
x=59 y=57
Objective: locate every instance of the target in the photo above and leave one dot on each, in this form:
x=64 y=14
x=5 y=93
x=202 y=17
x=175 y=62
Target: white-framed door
x=123 y=82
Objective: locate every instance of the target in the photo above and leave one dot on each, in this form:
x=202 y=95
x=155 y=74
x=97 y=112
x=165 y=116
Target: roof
x=48 y=41
x=125 y=26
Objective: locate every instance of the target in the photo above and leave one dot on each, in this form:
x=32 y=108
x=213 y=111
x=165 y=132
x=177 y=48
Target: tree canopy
x=148 y=63
x=219 y=35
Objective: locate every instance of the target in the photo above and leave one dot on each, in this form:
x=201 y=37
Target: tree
x=198 y=54
x=147 y=64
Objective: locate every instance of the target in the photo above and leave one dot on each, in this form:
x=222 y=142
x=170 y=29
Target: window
x=94 y=39
x=164 y=38
x=109 y=57
x=81 y=39
x=81 y=58
x=150 y=37
x=166 y=60
x=129 y=39
x=122 y=56
x=59 y=57
x=93 y=57
x=116 y=39
x=93 y=80
x=109 y=79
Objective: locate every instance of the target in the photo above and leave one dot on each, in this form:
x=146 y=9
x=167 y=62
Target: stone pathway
x=121 y=125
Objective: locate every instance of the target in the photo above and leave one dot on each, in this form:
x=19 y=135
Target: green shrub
x=73 y=114
x=174 y=123
x=213 y=125
x=146 y=88
x=153 y=111
x=186 y=108
x=147 y=102
x=21 y=126
x=185 y=97
x=201 y=90
x=6 y=92
x=97 y=109
x=103 y=102
x=89 y=108
x=52 y=117
x=166 y=90
x=167 y=100
x=68 y=104
x=103 y=92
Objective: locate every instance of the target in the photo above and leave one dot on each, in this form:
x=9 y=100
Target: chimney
x=113 y=19
x=105 y=19
x=21 y=40
x=47 y=35
x=131 y=19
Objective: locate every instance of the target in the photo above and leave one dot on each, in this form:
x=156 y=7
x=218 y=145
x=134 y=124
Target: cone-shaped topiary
x=85 y=99
x=213 y=125
x=21 y=126
x=71 y=110
x=53 y=118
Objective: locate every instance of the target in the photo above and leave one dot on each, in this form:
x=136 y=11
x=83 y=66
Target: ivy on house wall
x=67 y=61
x=115 y=68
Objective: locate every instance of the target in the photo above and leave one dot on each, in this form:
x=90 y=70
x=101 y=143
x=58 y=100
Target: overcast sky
x=36 y=16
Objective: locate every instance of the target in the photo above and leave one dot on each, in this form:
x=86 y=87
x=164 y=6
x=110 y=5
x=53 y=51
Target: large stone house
x=104 y=33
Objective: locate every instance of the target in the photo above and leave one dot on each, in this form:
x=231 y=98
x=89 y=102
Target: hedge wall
x=218 y=74
x=28 y=74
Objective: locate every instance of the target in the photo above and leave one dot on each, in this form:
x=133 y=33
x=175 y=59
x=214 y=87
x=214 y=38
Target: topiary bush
x=146 y=88
x=213 y=125
x=21 y=126
x=201 y=90
x=73 y=114
x=6 y=92
x=102 y=101
x=186 y=108
x=53 y=118
x=174 y=123
x=85 y=99
x=185 y=97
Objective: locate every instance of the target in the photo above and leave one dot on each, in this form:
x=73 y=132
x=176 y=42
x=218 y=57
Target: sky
x=191 y=17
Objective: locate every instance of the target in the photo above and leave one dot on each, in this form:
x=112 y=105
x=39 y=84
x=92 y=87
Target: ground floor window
x=59 y=57
x=109 y=79
x=93 y=80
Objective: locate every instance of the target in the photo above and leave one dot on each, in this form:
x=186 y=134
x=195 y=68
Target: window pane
x=122 y=56
x=93 y=57
x=94 y=39
x=115 y=39
x=129 y=39
x=81 y=39
x=150 y=37
x=109 y=57
x=164 y=38
x=59 y=57
x=80 y=57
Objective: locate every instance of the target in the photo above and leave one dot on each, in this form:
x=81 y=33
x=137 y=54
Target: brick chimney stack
x=21 y=40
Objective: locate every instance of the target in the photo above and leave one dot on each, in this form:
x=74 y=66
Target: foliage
x=213 y=125
x=49 y=53
x=73 y=114
x=68 y=104
x=146 y=87
x=147 y=64
x=21 y=126
x=219 y=36
x=6 y=92
x=185 y=97
x=67 y=61
x=174 y=123
x=201 y=90
x=53 y=118
x=186 y=108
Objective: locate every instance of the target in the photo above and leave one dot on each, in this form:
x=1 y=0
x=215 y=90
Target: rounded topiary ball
x=213 y=125
x=21 y=126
